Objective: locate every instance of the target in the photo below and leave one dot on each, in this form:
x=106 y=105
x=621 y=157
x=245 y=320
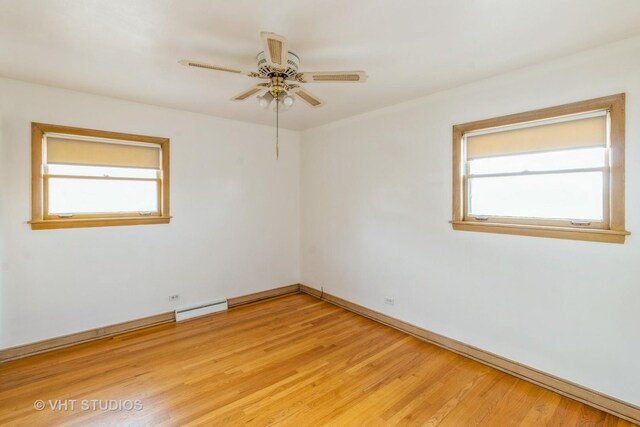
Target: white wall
x=235 y=228
x=376 y=201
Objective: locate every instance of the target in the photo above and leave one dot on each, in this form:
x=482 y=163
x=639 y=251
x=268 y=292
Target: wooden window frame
x=613 y=230
x=40 y=219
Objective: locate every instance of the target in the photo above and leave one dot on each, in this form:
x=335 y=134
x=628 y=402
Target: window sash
x=52 y=169
x=576 y=222
x=48 y=215
x=544 y=172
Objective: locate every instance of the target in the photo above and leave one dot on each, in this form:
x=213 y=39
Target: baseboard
x=259 y=296
x=619 y=408
x=43 y=346
x=84 y=336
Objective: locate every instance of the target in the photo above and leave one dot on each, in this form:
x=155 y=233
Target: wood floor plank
x=293 y=361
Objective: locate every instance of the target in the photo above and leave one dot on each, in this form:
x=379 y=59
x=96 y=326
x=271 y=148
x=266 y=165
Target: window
x=556 y=172
x=89 y=178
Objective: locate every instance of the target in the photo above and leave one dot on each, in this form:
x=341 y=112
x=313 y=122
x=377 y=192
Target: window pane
x=548 y=161
x=115 y=172
x=549 y=196
x=82 y=196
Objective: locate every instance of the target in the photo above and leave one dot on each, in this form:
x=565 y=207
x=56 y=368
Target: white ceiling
x=129 y=48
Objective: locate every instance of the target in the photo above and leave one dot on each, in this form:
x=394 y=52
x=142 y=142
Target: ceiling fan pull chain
x=277 y=127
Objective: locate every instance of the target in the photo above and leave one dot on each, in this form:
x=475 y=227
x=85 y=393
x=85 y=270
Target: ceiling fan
x=279 y=69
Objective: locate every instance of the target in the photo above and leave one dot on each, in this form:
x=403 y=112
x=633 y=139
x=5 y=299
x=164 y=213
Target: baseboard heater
x=201 y=310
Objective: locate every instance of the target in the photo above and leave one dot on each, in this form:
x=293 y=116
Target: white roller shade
x=87 y=152
x=579 y=133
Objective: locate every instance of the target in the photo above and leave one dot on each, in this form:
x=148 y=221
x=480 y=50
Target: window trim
x=614 y=229
x=39 y=218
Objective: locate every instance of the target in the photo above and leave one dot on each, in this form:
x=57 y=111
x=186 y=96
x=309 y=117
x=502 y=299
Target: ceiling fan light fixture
x=287 y=101
x=265 y=100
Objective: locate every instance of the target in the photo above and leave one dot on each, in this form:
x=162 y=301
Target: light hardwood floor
x=294 y=361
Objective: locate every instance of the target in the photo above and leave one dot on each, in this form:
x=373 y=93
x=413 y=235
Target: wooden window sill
x=592 y=235
x=96 y=222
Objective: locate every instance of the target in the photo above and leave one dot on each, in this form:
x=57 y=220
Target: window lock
x=582 y=223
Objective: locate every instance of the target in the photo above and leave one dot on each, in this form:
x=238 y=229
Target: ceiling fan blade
x=332 y=76
x=247 y=93
x=307 y=97
x=197 y=64
x=276 y=49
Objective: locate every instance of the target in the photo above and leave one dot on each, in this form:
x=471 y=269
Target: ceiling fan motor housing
x=266 y=70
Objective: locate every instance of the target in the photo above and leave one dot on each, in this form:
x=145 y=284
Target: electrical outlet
x=175 y=297
x=389 y=300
